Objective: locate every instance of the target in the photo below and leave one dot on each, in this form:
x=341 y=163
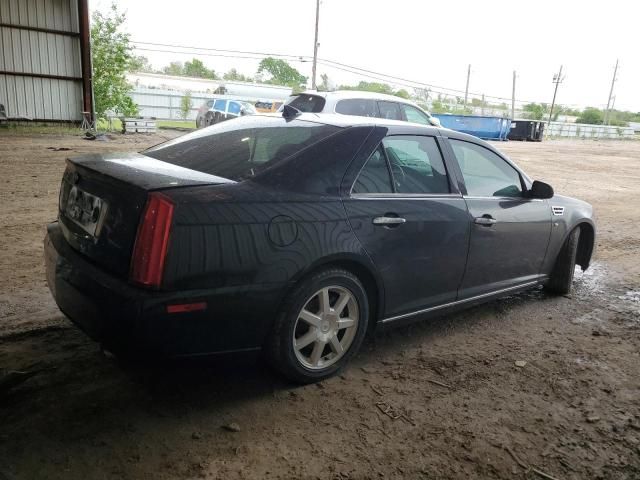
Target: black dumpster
x=538 y=132
x=526 y=130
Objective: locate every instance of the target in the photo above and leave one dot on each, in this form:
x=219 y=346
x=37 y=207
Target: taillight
x=150 y=249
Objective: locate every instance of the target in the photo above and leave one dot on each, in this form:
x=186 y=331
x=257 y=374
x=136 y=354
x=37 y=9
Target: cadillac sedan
x=296 y=234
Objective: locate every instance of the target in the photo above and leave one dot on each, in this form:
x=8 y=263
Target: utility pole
x=315 y=48
x=513 y=97
x=557 y=79
x=466 y=90
x=613 y=81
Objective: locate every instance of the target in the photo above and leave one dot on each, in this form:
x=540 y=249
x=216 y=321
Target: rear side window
x=412 y=114
x=307 y=103
x=485 y=173
x=416 y=164
x=356 y=106
x=210 y=103
x=234 y=108
x=374 y=176
x=389 y=110
x=220 y=105
x=241 y=149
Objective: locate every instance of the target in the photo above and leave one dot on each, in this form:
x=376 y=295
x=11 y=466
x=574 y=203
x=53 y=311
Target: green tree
x=534 y=111
x=174 y=68
x=591 y=115
x=233 y=76
x=140 y=64
x=324 y=84
x=185 y=105
x=281 y=73
x=112 y=58
x=377 y=88
x=195 y=68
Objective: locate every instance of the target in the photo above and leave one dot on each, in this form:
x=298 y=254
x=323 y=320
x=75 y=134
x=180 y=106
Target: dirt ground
x=456 y=404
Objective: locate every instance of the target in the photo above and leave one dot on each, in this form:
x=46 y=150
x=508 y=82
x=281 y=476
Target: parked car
x=219 y=110
x=267 y=107
x=363 y=104
x=298 y=235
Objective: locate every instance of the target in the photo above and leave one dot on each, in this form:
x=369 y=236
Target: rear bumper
x=124 y=317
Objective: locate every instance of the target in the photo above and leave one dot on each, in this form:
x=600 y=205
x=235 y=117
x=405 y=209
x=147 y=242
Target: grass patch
x=31 y=128
x=176 y=124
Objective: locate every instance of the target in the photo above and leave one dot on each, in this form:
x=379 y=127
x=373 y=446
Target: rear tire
x=562 y=275
x=320 y=327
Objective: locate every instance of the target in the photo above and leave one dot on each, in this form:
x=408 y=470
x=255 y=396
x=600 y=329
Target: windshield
x=240 y=148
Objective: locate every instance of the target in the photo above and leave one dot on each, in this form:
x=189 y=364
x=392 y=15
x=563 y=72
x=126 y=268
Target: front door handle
x=388 y=221
x=486 y=220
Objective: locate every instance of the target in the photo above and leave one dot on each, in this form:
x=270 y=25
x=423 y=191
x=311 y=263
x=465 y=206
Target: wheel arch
x=358 y=266
x=586 y=243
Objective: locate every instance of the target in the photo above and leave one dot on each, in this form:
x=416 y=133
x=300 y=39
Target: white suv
x=362 y=104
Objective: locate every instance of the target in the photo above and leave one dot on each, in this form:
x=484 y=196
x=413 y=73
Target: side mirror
x=541 y=190
x=435 y=121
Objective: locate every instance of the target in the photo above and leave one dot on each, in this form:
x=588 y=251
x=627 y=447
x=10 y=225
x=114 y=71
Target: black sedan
x=298 y=234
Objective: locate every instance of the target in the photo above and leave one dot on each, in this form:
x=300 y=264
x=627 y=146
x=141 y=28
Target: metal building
x=45 y=59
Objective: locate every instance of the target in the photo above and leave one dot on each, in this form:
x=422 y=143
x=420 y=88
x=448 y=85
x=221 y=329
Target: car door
x=412 y=223
x=509 y=232
x=220 y=109
x=233 y=110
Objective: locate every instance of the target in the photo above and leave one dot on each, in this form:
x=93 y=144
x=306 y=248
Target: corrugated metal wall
x=47 y=52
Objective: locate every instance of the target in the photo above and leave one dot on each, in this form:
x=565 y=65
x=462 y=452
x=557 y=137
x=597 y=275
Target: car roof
x=345 y=94
x=345 y=121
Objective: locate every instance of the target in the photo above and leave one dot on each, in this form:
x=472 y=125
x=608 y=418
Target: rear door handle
x=485 y=220
x=388 y=221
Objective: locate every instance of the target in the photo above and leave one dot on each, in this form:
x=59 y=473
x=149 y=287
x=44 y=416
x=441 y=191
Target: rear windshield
x=307 y=103
x=240 y=148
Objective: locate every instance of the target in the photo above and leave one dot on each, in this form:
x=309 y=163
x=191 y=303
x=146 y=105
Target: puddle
x=631 y=296
x=595 y=318
x=593 y=281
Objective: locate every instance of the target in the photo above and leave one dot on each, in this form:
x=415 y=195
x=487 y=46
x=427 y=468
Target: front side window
x=416 y=164
x=485 y=173
x=361 y=107
x=374 y=176
x=414 y=115
x=389 y=110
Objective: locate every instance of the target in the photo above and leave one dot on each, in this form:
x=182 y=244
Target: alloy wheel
x=325 y=327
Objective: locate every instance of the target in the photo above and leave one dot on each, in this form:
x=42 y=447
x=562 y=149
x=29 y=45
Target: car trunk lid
x=103 y=196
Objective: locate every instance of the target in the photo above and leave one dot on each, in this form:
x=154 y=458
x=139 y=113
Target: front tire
x=562 y=275
x=320 y=327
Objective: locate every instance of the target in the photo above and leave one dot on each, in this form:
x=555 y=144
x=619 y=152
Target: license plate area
x=85 y=210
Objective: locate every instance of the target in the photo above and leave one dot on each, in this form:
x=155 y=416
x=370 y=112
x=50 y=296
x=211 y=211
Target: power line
x=305 y=58
x=202 y=54
x=243 y=52
x=256 y=55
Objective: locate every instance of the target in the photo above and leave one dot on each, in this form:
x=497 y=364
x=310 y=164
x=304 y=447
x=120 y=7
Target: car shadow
x=248 y=375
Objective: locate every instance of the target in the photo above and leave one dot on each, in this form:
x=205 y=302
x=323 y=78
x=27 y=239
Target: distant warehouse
x=45 y=60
